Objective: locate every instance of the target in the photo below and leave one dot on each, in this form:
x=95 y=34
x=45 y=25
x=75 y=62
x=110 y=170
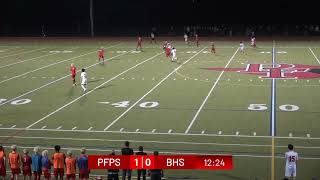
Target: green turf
x=224 y=125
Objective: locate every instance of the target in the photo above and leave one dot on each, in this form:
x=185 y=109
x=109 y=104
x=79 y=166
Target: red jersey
x=58 y=160
x=139 y=40
x=73 y=70
x=2 y=157
x=101 y=52
x=14 y=160
x=26 y=162
x=71 y=165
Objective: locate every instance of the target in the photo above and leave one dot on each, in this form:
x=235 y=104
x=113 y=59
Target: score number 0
x=144 y=162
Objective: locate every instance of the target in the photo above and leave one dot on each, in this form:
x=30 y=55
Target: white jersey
x=291 y=164
x=291 y=158
x=185 y=37
x=83 y=78
x=174 y=52
x=253 y=41
x=241 y=46
x=152 y=35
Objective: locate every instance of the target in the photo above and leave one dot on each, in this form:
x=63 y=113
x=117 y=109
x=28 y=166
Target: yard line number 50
x=263 y=107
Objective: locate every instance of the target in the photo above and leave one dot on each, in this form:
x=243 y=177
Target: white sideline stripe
x=111 y=79
x=172 y=72
x=159 y=133
x=205 y=100
x=43 y=67
x=74 y=128
x=26 y=60
x=90 y=128
x=166 y=152
x=52 y=82
x=59 y=127
x=157 y=142
x=22 y=53
x=43 y=127
x=314 y=55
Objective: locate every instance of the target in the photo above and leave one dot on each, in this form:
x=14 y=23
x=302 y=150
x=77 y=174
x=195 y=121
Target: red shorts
x=73 y=76
x=101 y=56
x=3 y=172
x=83 y=174
x=71 y=176
x=139 y=44
x=15 y=171
x=46 y=173
x=58 y=172
x=27 y=172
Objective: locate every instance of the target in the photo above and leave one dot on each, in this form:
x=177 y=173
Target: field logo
x=280 y=71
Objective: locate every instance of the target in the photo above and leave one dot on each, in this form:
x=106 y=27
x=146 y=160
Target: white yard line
x=97 y=87
x=176 y=69
x=314 y=55
x=205 y=100
x=22 y=53
x=163 y=152
x=49 y=65
x=162 y=133
x=52 y=82
x=273 y=99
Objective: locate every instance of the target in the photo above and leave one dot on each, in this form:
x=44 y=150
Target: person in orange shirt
x=58 y=159
x=26 y=164
x=2 y=163
x=14 y=162
x=71 y=166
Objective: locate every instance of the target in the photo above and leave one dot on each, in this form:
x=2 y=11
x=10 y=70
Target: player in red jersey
x=26 y=164
x=101 y=54
x=2 y=163
x=73 y=71
x=168 y=50
x=139 y=44
x=213 y=49
x=197 y=40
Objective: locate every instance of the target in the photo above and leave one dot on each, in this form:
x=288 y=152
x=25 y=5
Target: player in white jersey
x=173 y=54
x=241 y=46
x=291 y=163
x=186 y=38
x=253 y=42
x=84 y=80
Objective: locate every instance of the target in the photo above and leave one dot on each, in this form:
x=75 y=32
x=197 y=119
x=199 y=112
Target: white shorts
x=291 y=171
x=84 y=82
x=241 y=48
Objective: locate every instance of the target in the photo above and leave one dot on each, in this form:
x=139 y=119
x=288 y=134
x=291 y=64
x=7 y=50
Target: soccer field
x=224 y=103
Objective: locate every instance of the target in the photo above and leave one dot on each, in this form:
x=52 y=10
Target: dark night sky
x=30 y=14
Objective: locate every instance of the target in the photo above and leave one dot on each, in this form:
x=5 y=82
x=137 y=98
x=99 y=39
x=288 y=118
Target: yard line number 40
x=263 y=107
